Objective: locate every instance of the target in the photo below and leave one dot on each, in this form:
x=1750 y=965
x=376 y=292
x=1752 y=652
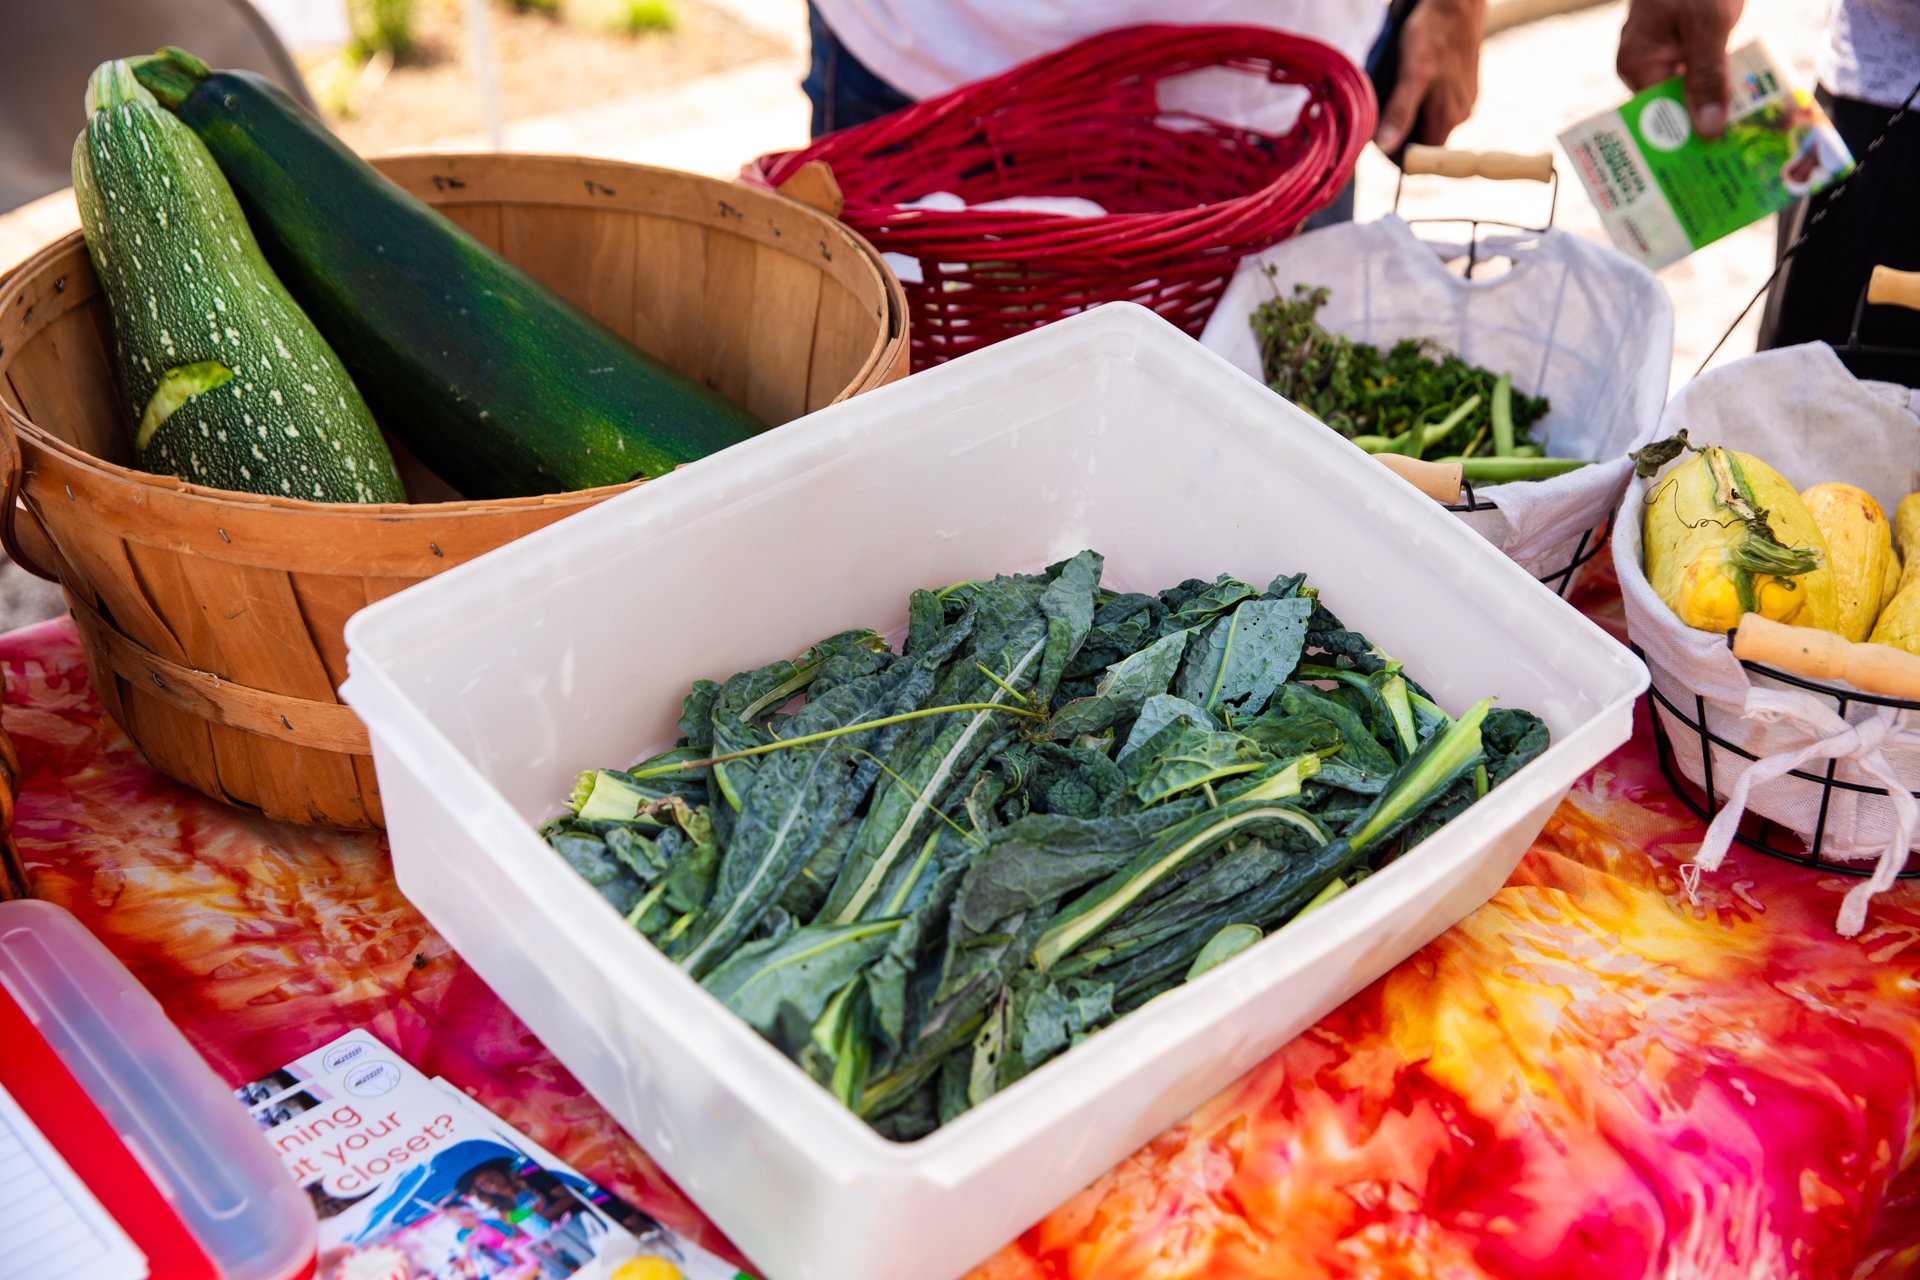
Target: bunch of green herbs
x=924 y=874
x=1415 y=398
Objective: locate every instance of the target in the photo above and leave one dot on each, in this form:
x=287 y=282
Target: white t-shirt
x=925 y=47
x=1872 y=51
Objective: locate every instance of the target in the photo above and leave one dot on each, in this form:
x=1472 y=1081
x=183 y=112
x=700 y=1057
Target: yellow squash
x=1906 y=537
x=1859 y=550
x=1899 y=623
x=1896 y=574
x=1726 y=535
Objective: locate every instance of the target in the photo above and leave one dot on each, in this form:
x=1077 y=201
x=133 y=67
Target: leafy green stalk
x=828 y=735
x=1087 y=915
x=1228 y=942
x=801 y=971
x=1334 y=889
x=1123 y=689
x=920 y=801
x=1242 y=658
x=797 y=801
x=601 y=793
x=1182 y=758
x=1027 y=629
x=1393 y=692
x=1282 y=783
x=1025 y=701
x=1455 y=751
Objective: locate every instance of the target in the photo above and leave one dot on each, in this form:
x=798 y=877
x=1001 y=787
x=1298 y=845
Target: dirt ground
x=544 y=65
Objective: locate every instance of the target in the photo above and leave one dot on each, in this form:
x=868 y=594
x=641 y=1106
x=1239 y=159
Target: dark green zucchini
x=492 y=379
x=226 y=383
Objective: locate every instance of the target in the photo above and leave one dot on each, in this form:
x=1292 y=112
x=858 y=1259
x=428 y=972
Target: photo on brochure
x=479 y=1208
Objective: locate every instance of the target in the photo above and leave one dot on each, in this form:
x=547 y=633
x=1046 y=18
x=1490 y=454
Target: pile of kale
x=924 y=874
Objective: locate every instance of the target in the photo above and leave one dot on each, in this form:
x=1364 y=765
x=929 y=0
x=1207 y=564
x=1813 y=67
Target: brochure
x=413 y=1180
x=1663 y=191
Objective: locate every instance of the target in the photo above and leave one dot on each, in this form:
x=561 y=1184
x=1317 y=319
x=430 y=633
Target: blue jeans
x=845 y=93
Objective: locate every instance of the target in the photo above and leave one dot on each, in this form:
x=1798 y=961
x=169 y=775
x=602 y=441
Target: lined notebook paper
x=53 y=1226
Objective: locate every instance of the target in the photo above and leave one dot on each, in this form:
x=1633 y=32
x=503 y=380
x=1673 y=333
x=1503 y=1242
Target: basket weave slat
x=40 y=375
x=834 y=340
x=481 y=221
x=323 y=725
x=669 y=297
x=212 y=620
x=781 y=327
x=584 y=256
x=729 y=274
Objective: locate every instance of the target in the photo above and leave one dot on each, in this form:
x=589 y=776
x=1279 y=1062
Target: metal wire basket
x=1419 y=160
x=1758 y=833
x=1557 y=576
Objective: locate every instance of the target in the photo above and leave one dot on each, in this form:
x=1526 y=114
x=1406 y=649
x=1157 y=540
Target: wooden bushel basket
x=212 y=620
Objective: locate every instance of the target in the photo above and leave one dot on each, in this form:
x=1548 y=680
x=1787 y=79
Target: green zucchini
x=493 y=380
x=227 y=383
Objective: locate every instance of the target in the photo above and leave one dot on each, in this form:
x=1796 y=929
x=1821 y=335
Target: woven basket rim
x=848 y=151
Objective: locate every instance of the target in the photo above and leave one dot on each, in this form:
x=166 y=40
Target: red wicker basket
x=1186 y=197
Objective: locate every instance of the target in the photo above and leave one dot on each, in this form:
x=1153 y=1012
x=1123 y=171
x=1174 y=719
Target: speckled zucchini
x=497 y=383
x=227 y=382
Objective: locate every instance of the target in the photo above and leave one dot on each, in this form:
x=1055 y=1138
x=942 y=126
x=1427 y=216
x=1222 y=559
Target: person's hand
x=1439 y=73
x=1689 y=37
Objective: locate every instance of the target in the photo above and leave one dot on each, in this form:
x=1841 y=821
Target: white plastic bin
x=487 y=688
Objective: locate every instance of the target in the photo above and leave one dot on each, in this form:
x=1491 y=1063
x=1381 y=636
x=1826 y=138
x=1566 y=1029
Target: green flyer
x=1663 y=191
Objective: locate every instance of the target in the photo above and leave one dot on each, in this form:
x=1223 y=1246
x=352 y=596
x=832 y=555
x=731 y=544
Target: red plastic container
x=1186 y=196
x=93 y=1064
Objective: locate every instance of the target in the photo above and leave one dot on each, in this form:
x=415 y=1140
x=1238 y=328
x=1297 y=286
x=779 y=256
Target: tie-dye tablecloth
x=1595 y=1077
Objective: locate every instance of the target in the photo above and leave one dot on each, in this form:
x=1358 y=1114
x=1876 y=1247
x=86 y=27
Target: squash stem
x=112 y=84
x=169 y=75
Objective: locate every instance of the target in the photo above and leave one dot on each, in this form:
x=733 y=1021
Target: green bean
x=1503 y=416
x=1499 y=470
x=1442 y=429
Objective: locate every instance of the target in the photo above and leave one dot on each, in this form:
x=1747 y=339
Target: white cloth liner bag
x=1799 y=410
x=1580 y=323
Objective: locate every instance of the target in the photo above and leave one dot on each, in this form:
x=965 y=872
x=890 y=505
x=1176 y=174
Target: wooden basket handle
x=1887 y=287
x=814 y=185
x=1499 y=165
x=13 y=471
x=1438 y=480
x=1821 y=655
